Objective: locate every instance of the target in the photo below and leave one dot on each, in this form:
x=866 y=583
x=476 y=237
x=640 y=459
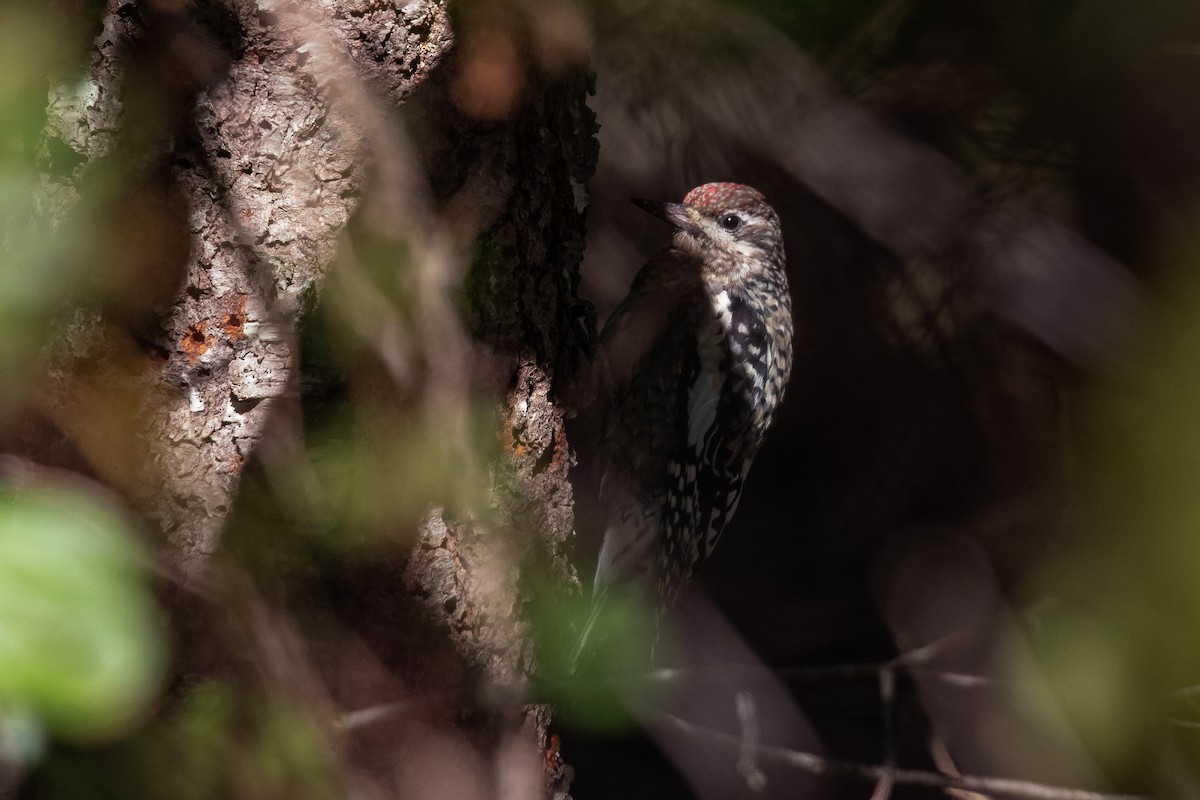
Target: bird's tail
x=588 y=637
x=622 y=628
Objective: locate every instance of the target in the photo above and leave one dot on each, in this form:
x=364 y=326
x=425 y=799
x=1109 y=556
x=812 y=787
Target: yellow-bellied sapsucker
x=694 y=363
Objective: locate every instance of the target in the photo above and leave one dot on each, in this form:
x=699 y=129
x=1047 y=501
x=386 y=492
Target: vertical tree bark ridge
x=522 y=183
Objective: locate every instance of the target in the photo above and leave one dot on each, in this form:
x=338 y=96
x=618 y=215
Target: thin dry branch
x=887 y=701
x=912 y=661
x=747 y=763
x=819 y=765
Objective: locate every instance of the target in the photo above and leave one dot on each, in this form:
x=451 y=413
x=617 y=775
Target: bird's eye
x=730 y=222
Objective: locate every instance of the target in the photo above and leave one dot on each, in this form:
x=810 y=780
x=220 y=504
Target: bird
x=692 y=366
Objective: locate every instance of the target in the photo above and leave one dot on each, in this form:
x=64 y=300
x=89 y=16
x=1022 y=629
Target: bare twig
x=747 y=763
x=364 y=717
x=1184 y=723
x=819 y=675
x=913 y=661
x=887 y=699
x=959 y=680
x=945 y=763
x=819 y=765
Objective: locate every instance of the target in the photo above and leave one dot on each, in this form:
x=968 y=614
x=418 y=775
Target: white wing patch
x=705 y=391
x=723 y=481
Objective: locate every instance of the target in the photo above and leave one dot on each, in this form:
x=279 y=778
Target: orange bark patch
x=195 y=342
x=552 y=757
x=561 y=458
x=234 y=323
x=510 y=442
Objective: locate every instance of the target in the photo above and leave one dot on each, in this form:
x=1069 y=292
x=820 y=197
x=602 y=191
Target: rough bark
x=278 y=118
x=269 y=169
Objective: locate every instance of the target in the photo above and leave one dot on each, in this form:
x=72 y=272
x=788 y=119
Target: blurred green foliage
x=595 y=687
x=216 y=743
x=380 y=450
x=1118 y=641
x=31 y=49
x=82 y=646
x=102 y=228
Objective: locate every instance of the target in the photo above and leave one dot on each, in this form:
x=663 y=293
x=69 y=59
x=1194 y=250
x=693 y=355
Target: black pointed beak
x=677 y=214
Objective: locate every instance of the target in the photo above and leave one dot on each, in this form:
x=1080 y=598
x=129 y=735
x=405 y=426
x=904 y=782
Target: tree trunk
x=239 y=160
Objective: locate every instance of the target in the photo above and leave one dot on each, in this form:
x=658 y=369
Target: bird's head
x=725 y=225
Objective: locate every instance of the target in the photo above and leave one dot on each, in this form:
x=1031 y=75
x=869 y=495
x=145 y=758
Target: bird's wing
x=705 y=475
x=645 y=349
x=725 y=393
x=642 y=428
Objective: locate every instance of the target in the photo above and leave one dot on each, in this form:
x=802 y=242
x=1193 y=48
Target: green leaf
x=81 y=644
